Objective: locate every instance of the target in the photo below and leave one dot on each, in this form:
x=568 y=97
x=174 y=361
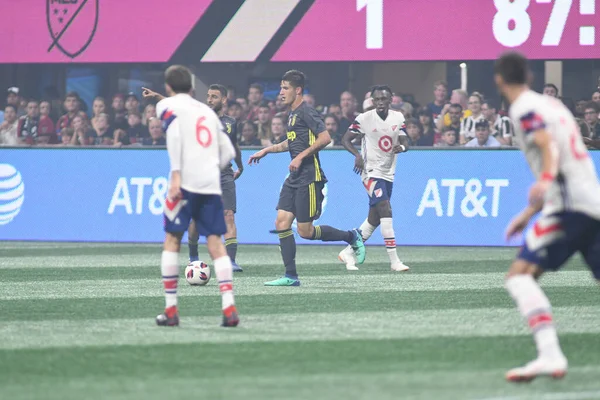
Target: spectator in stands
x=231 y=93
x=502 y=128
x=579 y=108
x=67 y=137
x=150 y=112
x=448 y=138
x=132 y=103
x=244 y=104
x=278 y=129
x=596 y=97
x=46 y=125
x=426 y=119
x=336 y=110
x=482 y=136
x=235 y=110
x=440 y=96
x=101 y=133
x=591 y=112
x=157 y=137
x=458 y=96
x=136 y=131
x=332 y=126
x=263 y=123
x=396 y=102
x=82 y=133
x=348 y=105
x=414 y=130
x=52 y=96
x=407 y=110
x=120 y=138
x=98 y=107
x=27 y=129
x=368 y=105
x=249 y=134
x=310 y=100
x=71 y=105
x=467 y=126
x=119 y=114
x=8 y=128
x=255 y=99
x=550 y=89
x=14 y=98
x=279 y=106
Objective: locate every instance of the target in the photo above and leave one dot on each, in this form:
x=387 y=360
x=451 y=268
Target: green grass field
x=77 y=322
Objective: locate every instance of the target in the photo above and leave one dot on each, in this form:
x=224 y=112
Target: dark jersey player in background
x=216 y=98
x=301 y=195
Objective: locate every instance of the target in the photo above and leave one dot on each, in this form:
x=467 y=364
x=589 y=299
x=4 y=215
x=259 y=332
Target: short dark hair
x=491 y=104
x=512 y=67
x=482 y=124
x=221 y=88
x=593 y=105
x=551 y=85
x=257 y=86
x=73 y=95
x=10 y=106
x=179 y=78
x=382 y=88
x=337 y=121
x=456 y=105
x=233 y=103
x=264 y=104
x=295 y=78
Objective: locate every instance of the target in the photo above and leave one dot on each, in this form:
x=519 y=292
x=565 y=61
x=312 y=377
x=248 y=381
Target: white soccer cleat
x=347 y=257
x=555 y=368
x=399 y=267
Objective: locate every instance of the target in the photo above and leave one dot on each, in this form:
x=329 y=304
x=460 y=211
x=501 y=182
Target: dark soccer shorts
x=304 y=202
x=378 y=190
x=205 y=209
x=229 y=196
x=555 y=238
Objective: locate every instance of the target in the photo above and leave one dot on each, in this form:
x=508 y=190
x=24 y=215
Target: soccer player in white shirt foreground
x=383 y=136
x=198 y=150
x=567 y=193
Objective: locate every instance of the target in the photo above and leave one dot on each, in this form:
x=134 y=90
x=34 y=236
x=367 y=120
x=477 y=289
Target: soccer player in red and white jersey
x=198 y=150
x=566 y=192
x=383 y=136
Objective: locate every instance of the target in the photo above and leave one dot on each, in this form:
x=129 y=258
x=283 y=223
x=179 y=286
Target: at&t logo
x=12 y=193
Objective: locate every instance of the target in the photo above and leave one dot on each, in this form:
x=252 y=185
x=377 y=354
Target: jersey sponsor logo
x=61 y=14
x=292 y=120
x=291 y=135
x=386 y=143
x=471 y=197
x=12 y=193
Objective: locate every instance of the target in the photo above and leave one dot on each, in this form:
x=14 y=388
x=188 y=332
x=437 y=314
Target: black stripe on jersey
x=285 y=30
x=560 y=179
x=206 y=31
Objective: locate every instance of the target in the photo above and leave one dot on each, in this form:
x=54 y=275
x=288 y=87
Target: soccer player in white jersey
x=383 y=136
x=567 y=193
x=198 y=150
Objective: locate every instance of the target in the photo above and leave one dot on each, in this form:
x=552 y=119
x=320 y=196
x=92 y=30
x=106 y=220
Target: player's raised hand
x=255 y=158
x=359 y=165
x=150 y=94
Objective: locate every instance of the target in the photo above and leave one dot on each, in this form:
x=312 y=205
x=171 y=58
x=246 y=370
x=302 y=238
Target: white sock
x=387 y=231
x=225 y=278
x=169 y=268
x=535 y=307
x=366 y=230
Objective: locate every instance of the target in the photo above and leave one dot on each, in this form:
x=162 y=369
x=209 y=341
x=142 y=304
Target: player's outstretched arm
x=149 y=94
x=276 y=148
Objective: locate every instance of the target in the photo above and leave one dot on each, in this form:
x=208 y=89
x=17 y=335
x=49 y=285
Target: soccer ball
x=197 y=273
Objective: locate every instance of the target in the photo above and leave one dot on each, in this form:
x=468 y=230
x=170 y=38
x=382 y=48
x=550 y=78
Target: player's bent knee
x=216 y=248
x=384 y=209
x=305 y=232
x=522 y=267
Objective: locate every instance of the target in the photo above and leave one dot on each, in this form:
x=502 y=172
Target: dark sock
x=327 y=233
x=193 y=246
x=231 y=247
x=287 y=244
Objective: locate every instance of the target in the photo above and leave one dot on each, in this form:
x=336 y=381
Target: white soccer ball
x=197 y=273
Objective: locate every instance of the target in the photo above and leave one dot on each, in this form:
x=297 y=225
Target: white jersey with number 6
x=576 y=187
x=379 y=138
x=196 y=141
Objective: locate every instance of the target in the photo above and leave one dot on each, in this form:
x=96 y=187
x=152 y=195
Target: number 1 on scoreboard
x=374 y=25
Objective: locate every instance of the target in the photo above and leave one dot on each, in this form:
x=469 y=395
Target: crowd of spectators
x=452 y=119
